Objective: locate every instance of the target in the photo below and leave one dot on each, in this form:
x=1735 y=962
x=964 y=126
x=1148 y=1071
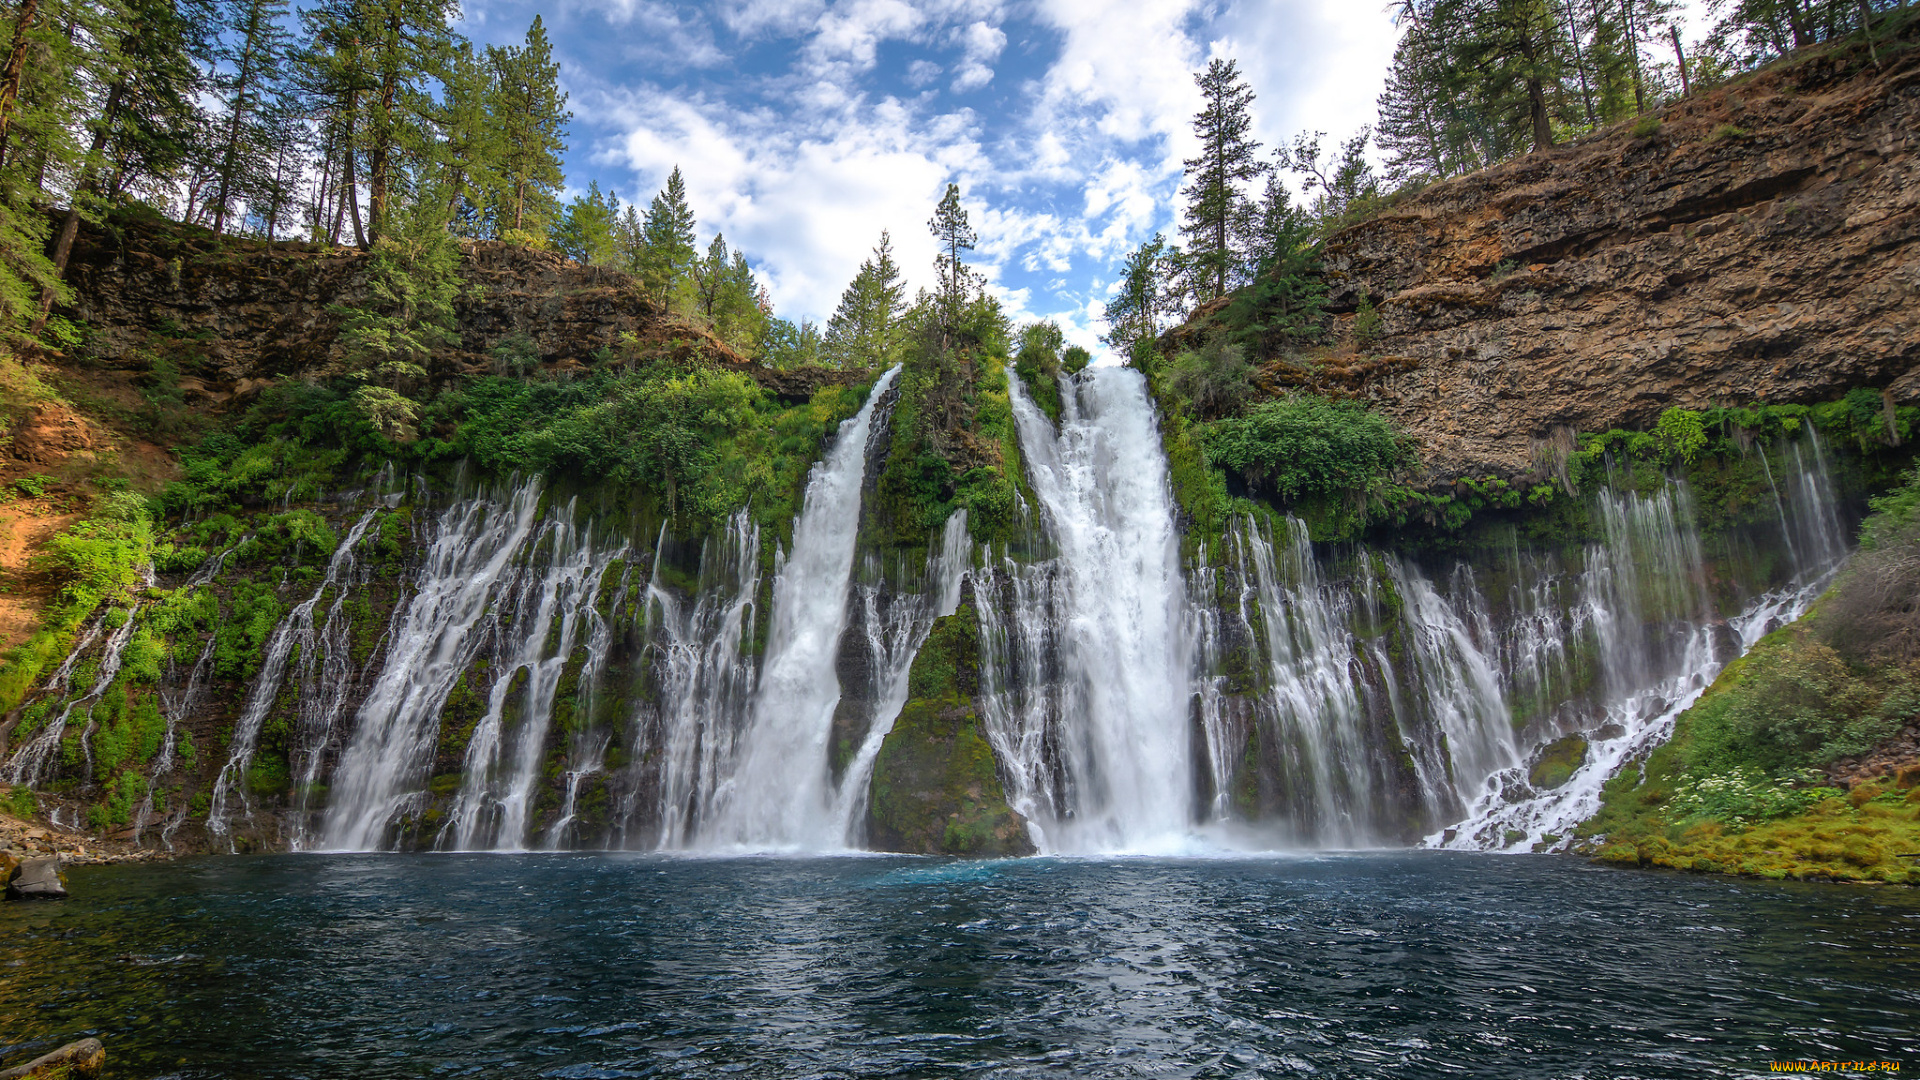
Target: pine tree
x=332 y=75
x=954 y=282
x=585 y=230
x=252 y=58
x=407 y=314
x=470 y=148
x=1145 y=300
x=667 y=237
x=403 y=42
x=866 y=330
x=146 y=121
x=787 y=345
x=529 y=114
x=1228 y=159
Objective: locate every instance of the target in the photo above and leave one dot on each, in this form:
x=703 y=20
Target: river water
x=573 y=965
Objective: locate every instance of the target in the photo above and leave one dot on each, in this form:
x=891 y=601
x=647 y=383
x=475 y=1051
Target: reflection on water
x=1414 y=964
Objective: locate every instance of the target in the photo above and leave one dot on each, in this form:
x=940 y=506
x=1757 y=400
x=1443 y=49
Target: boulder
x=36 y=879
x=83 y=1060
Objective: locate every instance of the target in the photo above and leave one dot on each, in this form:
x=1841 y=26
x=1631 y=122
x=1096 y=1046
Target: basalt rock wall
x=266 y=311
x=1760 y=242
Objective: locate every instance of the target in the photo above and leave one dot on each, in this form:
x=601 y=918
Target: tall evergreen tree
x=1228 y=160
x=470 y=145
x=332 y=74
x=404 y=42
x=1146 y=300
x=866 y=330
x=529 y=115
x=667 y=236
x=585 y=230
x=146 y=121
x=954 y=284
x=251 y=60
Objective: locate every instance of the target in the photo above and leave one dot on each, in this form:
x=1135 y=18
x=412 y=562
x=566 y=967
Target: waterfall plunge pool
x=605 y=965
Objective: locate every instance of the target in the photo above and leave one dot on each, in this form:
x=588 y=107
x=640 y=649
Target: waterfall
x=779 y=795
x=1643 y=612
x=891 y=642
x=471 y=546
x=684 y=737
x=29 y=762
x=1314 y=697
x=296 y=631
x=175 y=706
x=1117 y=718
x=503 y=759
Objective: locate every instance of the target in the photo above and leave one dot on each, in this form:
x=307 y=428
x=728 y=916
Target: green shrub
x=1741 y=796
x=1214 y=379
x=1307 y=445
x=1646 y=127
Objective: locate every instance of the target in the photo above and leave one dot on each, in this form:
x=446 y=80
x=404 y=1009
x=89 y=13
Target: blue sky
x=805 y=128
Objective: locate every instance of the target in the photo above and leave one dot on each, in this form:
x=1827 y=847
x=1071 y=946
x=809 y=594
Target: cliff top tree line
x=373 y=122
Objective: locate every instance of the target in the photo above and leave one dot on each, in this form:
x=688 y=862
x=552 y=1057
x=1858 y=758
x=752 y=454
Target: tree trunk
x=70 y=228
x=224 y=193
x=1633 y=44
x=1580 y=64
x=12 y=74
x=1680 y=54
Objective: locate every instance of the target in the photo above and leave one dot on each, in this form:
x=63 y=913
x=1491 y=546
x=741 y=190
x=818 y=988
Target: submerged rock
x=936 y=785
x=83 y=1060
x=36 y=879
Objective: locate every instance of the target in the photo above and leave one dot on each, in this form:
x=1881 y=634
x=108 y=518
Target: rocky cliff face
x=266 y=311
x=1761 y=243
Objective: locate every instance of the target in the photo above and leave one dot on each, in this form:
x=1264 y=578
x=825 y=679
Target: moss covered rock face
x=1558 y=761
x=936 y=785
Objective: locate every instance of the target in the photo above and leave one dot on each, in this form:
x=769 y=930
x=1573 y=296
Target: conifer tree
x=146 y=119
x=528 y=115
x=865 y=331
x=402 y=44
x=585 y=230
x=1228 y=159
x=251 y=58
x=470 y=147
x=333 y=77
x=667 y=239
x=954 y=283
x=1145 y=301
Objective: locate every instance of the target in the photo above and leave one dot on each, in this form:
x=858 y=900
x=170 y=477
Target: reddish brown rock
x=49 y=434
x=1762 y=245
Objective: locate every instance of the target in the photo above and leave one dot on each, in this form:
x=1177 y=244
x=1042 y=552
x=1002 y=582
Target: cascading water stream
x=1643 y=606
x=780 y=795
x=1120 y=732
x=892 y=644
x=684 y=738
x=175 y=706
x=297 y=630
x=502 y=763
x=473 y=544
x=31 y=759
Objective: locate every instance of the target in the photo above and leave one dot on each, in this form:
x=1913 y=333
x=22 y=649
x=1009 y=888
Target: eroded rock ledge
x=1763 y=244
x=266 y=311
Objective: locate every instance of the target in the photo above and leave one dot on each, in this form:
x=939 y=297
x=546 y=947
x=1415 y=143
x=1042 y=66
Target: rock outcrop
x=936 y=788
x=255 y=311
x=36 y=879
x=1760 y=242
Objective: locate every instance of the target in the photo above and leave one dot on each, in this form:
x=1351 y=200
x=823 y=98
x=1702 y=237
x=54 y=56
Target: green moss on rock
x=1558 y=762
x=936 y=785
